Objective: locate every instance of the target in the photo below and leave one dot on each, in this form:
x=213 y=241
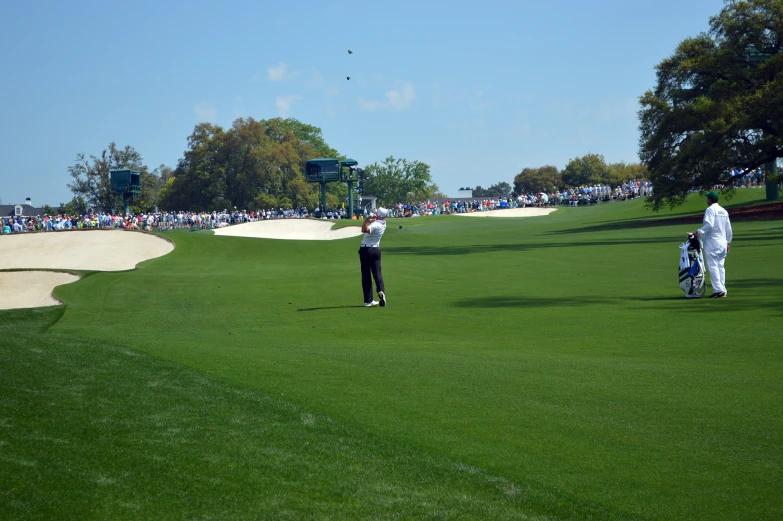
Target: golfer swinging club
x=717 y=243
x=370 y=257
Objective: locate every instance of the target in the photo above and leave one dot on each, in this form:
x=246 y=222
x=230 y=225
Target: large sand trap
x=99 y=250
x=291 y=229
x=512 y=212
x=31 y=289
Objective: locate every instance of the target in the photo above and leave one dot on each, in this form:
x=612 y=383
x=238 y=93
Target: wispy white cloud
x=283 y=104
x=368 y=105
x=397 y=99
x=316 y=81
x=401 y=99
x=205 y=112
x=278 y=73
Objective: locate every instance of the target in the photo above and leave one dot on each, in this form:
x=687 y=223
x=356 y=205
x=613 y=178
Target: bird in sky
x=347 y=77
x=350 y=51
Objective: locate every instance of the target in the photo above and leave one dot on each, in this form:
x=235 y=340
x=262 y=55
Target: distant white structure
x=465 y=193
x=367 y=203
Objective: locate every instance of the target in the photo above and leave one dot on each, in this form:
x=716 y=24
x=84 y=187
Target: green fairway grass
x=543 y=367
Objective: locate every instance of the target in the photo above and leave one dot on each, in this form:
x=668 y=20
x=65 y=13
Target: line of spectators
x=162 y=221
x=155 y=221
x=582 y=196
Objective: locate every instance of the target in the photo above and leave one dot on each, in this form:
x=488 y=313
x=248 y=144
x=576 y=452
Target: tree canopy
x=399 y=180
x=500 y=190
x=717 y=104
x=252 y=165
x=590 y=169
x=586 y=170
x=91 y=183
x=535 y=180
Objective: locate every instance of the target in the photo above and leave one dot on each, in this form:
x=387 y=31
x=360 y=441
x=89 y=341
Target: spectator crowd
x=163 y=221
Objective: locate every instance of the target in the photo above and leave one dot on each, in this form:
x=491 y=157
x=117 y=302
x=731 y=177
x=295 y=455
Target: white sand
x=512 y=212
x=291 y=229
x=31 y=289
x=99 y=250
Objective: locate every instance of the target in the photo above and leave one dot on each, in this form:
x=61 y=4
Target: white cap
x=382 y=213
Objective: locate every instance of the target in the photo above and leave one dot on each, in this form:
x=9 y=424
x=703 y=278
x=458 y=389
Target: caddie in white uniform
x=716 y=234
x=370 y=257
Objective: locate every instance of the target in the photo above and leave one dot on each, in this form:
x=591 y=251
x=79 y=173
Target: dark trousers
x=371 y=264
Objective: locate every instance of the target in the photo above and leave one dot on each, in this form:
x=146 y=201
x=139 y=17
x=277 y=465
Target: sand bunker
x=512 y=212
x=291 y=229
x=31 y=289
x=98 y=250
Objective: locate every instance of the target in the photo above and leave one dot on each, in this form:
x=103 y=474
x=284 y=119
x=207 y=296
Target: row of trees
x=498 y=190
x=91 y=182
x=260 y=164
x=399 y=180
x=590 y=169
x=252 y=165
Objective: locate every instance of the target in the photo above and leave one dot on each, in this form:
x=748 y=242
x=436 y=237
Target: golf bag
x=692 y=268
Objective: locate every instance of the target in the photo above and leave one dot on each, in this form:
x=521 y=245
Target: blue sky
x=478 y=90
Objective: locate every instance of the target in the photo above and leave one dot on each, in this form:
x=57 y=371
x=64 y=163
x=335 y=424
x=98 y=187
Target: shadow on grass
x=532 y=302
x=629 y=225
x=652 y=221
x=677 y=302
x=329 y=307
x=694 y=222
x=490 y=248
x=755 y=283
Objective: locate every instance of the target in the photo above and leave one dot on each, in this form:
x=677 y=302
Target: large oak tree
x=717 y=103
x=252 y=165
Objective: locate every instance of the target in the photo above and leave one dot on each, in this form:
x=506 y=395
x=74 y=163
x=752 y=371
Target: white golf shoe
x=382 y=297
x=370 y=304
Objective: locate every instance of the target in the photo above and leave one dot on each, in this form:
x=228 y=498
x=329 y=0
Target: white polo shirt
x=373 y=237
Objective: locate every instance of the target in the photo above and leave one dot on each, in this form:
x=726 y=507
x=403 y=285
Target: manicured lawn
x=524 y=367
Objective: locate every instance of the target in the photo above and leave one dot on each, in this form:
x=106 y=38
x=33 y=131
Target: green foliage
x=498 y=190
x=47 y=210
x=307 y=135
x=437 y=194
x=586 y=170
x=717 y=103
x=76 y=206
x=589 y=169
x=535 y=180
x=152 y=184
x=253 y=165
x=91 y=178
x=398 y=180
x=618 y=173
